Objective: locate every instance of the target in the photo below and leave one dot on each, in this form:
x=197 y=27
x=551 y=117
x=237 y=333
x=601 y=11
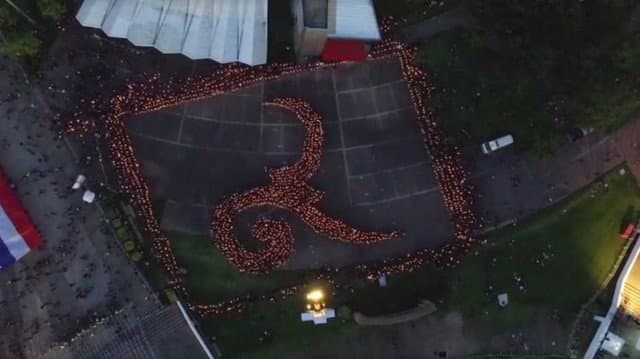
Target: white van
x=498 y=143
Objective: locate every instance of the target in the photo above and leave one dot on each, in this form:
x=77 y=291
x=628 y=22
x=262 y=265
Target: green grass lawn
x=242 y=335
x=211 y=278
x=579 y=235
x=481 y=95
x=534 y=72
x=580 y=238
x=412 y=11
x=30 y=42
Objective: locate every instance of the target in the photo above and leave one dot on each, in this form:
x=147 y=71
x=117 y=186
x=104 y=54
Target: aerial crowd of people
x=156 y=93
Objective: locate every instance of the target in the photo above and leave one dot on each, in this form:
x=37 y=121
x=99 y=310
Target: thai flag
x=18 y=234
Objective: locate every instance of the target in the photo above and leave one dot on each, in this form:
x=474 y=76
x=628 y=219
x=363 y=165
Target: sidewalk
x=80 y=272
x=454 y=18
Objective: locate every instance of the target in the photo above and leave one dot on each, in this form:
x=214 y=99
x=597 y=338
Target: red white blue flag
x=18 y=234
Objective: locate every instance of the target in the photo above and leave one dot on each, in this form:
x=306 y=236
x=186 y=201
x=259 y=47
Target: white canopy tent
x=318 y=317
x=220 y=30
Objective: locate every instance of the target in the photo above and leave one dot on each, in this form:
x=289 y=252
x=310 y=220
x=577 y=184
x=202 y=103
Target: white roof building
x=613 y=344
x=318 y=22
x=220 y=30
x=353 y=19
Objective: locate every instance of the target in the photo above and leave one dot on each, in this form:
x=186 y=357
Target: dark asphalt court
x=376 y=172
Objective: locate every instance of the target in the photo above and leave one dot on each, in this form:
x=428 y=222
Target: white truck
x=498 y=143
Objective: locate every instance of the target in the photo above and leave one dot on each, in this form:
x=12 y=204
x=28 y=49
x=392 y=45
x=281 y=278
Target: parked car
x=578 y=132
x=498 y=143
x=628 y=231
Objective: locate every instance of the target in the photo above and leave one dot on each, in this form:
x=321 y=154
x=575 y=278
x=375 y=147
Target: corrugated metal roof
x=163 y=334
x=221 y=30
x=353 y=19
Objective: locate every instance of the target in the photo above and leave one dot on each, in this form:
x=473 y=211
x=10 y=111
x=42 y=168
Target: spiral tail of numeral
x=275 y=235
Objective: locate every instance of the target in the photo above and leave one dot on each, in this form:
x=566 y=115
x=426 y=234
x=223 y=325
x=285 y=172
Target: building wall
x=298 y=21
x=307 y=41
x=312 y=42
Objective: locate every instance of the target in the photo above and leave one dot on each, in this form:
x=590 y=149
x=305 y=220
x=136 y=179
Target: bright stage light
x=315 y=295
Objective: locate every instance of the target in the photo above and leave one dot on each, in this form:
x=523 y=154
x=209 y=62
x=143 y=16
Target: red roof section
x=344 y=50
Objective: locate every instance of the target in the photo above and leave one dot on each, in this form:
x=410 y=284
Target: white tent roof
x=353 y=19
x=221 y=30
x=613 y=344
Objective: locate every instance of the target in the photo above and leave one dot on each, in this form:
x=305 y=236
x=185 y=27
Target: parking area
x=512 y=186
x=376 y=172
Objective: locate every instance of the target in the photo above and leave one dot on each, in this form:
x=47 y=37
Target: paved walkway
x=81 y=272
x=458 y=17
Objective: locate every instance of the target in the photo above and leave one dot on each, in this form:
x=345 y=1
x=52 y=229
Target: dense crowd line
x=154 y=94
x=290 y=191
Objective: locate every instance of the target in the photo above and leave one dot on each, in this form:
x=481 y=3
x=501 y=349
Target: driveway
x=511 y=187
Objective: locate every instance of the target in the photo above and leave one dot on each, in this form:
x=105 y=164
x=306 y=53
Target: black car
x=577 y=133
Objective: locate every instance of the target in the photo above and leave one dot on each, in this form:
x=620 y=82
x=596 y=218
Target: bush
x=124 y=235
x=54 y=9
x=117 y=222
x=136 y=256
x=110 y=213
x=7 y=19
x=24 y=45
x=171 y=295
x=344 y=312
x=129 y=246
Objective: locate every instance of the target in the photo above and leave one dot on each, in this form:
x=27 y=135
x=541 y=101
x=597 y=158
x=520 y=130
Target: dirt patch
x=423 y=309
